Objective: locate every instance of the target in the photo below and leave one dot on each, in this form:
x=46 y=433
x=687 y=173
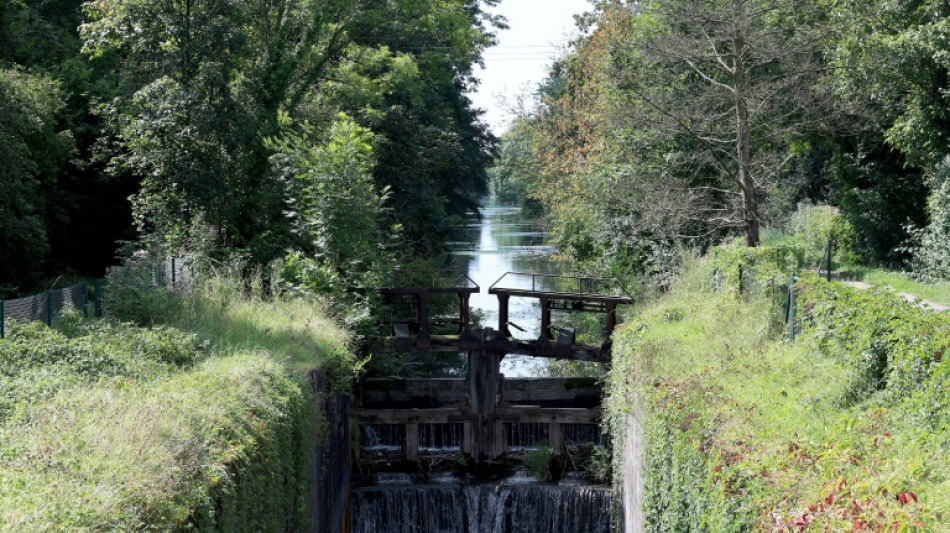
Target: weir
x=484 y=405
x=425 y=427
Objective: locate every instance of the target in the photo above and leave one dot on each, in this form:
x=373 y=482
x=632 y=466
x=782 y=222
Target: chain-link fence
x=172 y=273
x=44 y=307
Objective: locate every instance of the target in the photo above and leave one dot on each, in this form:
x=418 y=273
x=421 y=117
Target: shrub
x=538 y=461
x=931 y=245
x=812 y=226
x=134 y=294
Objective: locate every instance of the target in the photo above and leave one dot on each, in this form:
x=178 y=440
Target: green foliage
x=538 y=462
x=515 y=175
x=891 y=345
x=335 y=211
x=33 y=150
x=133 y=294
x=763 y=269
x=931 y=244
x=743 y=431
x=811 y=228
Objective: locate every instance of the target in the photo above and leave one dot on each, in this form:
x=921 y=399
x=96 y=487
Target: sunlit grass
x=772 y=417
x=295 y=331
x=117 y=428
x=901 y=282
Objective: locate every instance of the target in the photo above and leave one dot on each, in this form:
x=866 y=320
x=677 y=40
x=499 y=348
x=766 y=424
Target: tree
x=726 y=85
x=33 y=151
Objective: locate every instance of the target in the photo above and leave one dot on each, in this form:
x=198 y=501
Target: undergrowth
x=844 y=430
x=204 y=422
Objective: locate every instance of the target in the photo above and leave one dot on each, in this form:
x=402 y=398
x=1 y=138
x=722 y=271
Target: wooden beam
x=412 y=442
x=413 y=416
x=503 y=315
x=573 y=297
x=538 y=415
x=556 y=437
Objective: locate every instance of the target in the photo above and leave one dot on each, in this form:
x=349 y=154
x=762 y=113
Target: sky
x=538 y=30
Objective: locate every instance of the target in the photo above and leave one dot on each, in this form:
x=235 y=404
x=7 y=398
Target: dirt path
x=920 y=302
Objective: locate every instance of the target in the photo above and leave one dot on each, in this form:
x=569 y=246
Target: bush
x=742 y=269
x=931 y=245
x=892 y=345
x=812 y=226
x=538 y=461
x=133 y=292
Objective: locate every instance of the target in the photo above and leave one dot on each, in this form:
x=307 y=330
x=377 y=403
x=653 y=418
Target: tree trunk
x=743 y=143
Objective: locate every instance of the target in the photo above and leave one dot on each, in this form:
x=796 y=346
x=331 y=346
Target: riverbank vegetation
x=843 y=429
x=256 y=124
x=668 y=124
x=205 y=420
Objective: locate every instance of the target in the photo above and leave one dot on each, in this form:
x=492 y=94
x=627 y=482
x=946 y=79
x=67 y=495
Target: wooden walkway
x=484 y=402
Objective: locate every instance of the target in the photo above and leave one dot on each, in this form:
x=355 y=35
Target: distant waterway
x=502 y=239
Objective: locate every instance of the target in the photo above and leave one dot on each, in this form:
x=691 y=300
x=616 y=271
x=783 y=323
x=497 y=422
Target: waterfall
x=503 y=507
x=524 y=436
x=579 y=433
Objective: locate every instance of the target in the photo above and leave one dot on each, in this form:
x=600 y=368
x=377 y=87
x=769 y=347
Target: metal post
x=545 y=319
x=503 y=315
x=85 y=289
x=97 y=286
x=829 y=259
x=173 y=273
x=611 y=319
x=790 y=316
x=740 y=279
x=463 y=312
x=3 y=325
x=49 y=308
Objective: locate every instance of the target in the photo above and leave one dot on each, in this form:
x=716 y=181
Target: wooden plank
x=468 y=438
x=564 y=415
x=573 y=297
x=556 y=437
x=521 y=390
x=450 y=343
x=412 y=442
x=414 y=393
x=413 y=416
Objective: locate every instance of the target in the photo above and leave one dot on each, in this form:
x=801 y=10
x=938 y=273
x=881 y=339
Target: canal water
x=499 y=240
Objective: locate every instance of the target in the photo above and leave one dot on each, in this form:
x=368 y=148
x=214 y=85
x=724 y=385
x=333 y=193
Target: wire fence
x=172 y=273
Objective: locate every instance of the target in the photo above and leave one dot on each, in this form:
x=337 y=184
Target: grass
x=297 y=331
x=900 y=282
x=201 y=425
x=746 y=432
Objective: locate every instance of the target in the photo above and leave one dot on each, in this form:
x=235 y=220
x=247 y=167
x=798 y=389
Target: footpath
x=926 y=304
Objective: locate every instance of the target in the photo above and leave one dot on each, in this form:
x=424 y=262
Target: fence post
x=790 y=315
x=49 y=308
x=97 y=286
x=741 y=268
x=830 y=251
x=3 y=325
x=84 y=299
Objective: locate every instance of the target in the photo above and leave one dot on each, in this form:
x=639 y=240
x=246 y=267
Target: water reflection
x=503 y=240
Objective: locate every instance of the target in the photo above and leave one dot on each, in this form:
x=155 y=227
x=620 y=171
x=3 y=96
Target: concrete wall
x=329 y=477
x=632 y=488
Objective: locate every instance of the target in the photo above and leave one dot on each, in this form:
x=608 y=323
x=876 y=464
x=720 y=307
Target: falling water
x=506 y=507
x=578 y=433
x=523 y=436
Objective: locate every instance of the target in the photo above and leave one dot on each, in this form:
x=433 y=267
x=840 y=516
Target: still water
x=503 y=240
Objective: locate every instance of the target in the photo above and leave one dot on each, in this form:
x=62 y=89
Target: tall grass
x=747 y=432
x=200 y=423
